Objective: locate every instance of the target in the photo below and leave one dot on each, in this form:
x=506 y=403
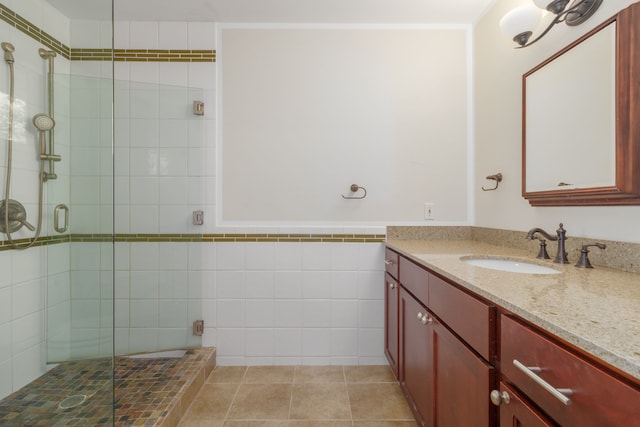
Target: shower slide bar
x=49 y=55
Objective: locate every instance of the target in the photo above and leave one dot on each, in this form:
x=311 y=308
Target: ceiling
x=281 y=11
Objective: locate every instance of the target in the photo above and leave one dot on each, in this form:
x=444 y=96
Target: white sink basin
x=510 y=265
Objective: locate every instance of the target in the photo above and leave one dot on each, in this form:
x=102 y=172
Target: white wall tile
x=259 y=284
x=345 y=256
x=288 y=342
x=172 y=314
x=173 y=256
x=259 y=256
x=230 y=284
x=344 y=285
x=143 y=35
x=231 y=258
x=259 y=314
x=172 y=35
x=231 y=343
x=6 y=371
x=344 y=314
x=344 y=342
x=316 y=342
x=173 y=285
x=142 y=339
x=288 y=256
x=230 y=314
x=316 y=284
x=316 y=256
x=287 y=314
x=288 y=284
x=201 y=35
x=144 y=285
x=371 y=313
x=259 y=342
x=316 y=313
x=371 y=342
x=144 y=313
x=144 y=256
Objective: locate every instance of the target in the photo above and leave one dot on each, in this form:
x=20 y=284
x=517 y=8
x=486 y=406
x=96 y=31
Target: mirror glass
x=570 y=110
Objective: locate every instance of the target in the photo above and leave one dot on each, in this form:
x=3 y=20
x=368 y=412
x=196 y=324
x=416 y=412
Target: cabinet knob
x=392 y=285
x=423 y=318
x=498 y=398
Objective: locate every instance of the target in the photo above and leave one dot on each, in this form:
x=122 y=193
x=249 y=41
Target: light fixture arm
x=579 y=12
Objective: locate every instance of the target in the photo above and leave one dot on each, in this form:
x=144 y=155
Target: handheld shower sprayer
x=43 y=123
x=8 y=52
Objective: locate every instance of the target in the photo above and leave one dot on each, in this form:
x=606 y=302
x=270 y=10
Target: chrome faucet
x=560 y=237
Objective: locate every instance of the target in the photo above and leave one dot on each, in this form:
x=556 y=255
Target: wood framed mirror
x=581 y=119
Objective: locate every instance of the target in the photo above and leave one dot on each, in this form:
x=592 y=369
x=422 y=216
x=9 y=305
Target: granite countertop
x=594 y=309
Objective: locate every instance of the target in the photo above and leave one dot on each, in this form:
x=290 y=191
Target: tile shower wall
x=164 y=170
x=24 y=272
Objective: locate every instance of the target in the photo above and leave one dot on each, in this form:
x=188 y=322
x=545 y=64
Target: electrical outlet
x=429 y=210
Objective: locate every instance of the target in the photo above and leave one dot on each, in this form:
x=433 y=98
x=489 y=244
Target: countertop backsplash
x=622 y=256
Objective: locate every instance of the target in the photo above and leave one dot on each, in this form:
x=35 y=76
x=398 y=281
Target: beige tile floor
x=300 y=396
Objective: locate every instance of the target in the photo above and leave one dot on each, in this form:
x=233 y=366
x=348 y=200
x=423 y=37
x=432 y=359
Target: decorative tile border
x=157 y=55
x=84 y=54
x=203 y=238
x=17 y=21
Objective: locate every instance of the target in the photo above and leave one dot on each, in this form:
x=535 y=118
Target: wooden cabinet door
x=462 y=382
x=415 y=350
x=515 y=411
x=392 y=292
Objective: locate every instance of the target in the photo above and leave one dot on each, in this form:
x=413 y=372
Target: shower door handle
x=56 y=218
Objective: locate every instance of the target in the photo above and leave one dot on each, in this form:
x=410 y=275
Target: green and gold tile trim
x=17 y=21
x=87 y=54
x=157 y=55
x=203 y=238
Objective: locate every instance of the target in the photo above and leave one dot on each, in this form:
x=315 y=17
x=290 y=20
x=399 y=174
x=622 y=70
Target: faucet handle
x=583 y=262
x=542 y=253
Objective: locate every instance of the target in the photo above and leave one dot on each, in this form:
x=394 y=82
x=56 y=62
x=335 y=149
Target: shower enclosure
x=91 y=283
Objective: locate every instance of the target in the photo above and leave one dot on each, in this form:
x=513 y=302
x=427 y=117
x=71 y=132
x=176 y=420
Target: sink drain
x=72 y=401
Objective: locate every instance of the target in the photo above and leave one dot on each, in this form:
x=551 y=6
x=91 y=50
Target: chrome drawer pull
x=388 y=262
x=559 y=393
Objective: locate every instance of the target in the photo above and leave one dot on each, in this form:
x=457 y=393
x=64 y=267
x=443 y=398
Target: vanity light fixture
x=520 y=22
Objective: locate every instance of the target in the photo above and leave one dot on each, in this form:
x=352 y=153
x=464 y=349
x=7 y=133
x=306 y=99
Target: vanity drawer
x=473 y=320
x=595 y=398
x=391 y=262
x=415 y=279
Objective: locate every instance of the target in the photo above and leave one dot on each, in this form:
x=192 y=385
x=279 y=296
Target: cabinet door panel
x=391 y=322
x=416 y=378
x=517 y=412
x=462 y=382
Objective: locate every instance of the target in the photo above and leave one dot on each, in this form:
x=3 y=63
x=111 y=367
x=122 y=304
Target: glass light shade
x=520 y=19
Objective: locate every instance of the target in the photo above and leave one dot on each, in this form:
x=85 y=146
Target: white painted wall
x=307 y=111
x=498 y=71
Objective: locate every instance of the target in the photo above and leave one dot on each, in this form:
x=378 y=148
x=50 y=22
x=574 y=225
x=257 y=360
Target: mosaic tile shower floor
x=148 y=392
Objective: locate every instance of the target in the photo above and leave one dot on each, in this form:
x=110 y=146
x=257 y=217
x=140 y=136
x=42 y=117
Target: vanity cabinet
x=462 y=360
x=445 y=379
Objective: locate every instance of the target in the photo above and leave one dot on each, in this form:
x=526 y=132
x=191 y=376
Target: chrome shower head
x=8 y=52
x=46 y=54
x=43 y=122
